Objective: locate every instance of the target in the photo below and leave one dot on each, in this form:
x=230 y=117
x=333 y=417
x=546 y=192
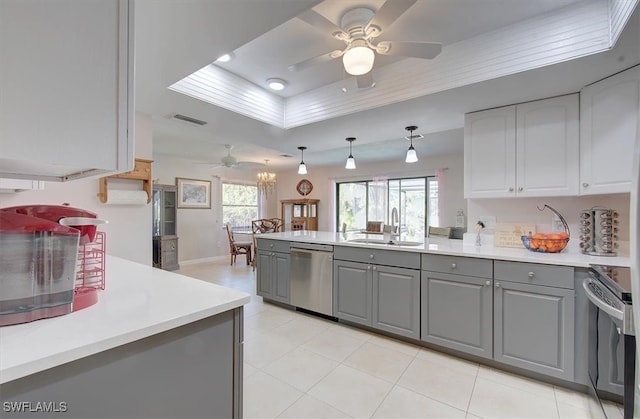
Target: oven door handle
x=613 y=312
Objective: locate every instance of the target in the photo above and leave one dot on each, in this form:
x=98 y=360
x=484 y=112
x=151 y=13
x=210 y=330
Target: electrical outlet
x=489 y=221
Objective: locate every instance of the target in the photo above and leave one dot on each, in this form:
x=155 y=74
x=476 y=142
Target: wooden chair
x=278 y=224
x=439 y=231
x=374 y=226
x=238 y=248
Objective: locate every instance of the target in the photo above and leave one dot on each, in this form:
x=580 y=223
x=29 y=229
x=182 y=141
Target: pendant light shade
x=412 y=157
x=351 y=162
x=302 y=168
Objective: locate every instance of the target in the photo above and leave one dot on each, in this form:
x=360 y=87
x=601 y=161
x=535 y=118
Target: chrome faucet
x=394 y=219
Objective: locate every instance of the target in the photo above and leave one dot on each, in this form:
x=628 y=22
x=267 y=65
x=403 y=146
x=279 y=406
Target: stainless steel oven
x=612 y=343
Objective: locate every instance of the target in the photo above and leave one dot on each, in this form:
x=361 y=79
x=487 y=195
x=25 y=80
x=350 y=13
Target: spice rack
x=141 y=171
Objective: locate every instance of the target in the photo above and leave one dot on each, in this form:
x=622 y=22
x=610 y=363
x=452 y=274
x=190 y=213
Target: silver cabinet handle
x=497 y=285
x=531 y=274
x=375 y=268
x=585 y=185
x=488 y=282
x=369 y=267
x=453 y=266
x=370 y=256
x=271 y=246
x=520 y=189
x=510 y=189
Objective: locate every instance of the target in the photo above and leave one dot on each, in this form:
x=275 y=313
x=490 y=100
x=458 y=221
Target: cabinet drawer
x=534 y=274
x=482 y=268
x=273 y=245
x=379 y=257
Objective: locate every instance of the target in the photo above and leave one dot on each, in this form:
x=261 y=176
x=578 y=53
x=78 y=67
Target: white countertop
x=139 y=301
x=570 y=256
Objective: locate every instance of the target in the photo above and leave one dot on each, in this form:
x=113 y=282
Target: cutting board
x=508 y=234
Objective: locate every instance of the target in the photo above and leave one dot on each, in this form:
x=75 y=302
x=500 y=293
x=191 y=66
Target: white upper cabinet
x=529 y=149
x=490 y=153
x=609 y=128
x=66 y=88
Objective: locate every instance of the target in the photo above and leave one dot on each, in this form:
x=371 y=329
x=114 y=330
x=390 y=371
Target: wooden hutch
x=300 y=214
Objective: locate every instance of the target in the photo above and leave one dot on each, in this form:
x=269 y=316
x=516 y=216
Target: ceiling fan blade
x=427 y=50
x=322 y=24
x=365 y=80
x=303 y=65
x=390 y=11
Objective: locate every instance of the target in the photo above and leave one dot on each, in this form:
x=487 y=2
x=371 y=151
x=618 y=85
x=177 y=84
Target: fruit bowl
x=546 y=242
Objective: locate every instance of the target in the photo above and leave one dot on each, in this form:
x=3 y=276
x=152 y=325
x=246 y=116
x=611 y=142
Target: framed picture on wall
x=193 y=193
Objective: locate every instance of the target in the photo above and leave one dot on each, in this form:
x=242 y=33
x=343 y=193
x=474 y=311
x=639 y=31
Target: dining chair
x=237 y=248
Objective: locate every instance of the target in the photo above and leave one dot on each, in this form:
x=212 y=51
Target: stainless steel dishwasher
x=311 y=274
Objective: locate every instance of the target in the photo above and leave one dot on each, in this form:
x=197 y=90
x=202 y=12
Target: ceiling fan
x=359 y=28
x=231 y=162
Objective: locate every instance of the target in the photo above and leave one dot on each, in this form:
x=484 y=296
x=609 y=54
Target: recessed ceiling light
x=276 y=84
x=225 y=58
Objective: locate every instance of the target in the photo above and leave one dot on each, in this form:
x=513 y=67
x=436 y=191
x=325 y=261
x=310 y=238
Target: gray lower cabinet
x=534 y=317
x=383 y=297
x=352 y=291
x=273 y=275
x=457 y=312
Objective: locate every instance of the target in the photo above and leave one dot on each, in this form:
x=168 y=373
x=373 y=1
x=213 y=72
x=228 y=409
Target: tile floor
x=301 y=366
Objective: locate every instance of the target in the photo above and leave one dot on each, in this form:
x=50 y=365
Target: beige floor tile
x=395 y=344
x=406 y=404
x=567 y=411
x=351 y=391
x=494 y=400
x=264 y=349
x=298 y=331
x=307 y=407
x=248 y=370
x=379 y=361
x=439 y=381
x=332 y=344
x=266 y=397
x=301 y=368
x=449 y=361
x=352 y=331
x=267 y=320
x=517 y=381
x=613 y=410
x=573 y=398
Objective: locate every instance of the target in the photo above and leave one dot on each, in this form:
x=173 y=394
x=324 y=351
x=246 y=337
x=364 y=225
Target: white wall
x=128 y=234
x=201 y=234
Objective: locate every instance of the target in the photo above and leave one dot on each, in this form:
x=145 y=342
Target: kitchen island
x=156 y=344
x=511 y=308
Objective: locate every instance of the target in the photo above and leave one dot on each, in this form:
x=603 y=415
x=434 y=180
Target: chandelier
x=266 y=181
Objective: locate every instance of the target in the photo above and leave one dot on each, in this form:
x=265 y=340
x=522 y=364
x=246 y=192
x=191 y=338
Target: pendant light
x=351 y=162
x=302 y=168
x=412 y=157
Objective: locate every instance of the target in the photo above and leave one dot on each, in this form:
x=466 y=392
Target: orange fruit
x=539 y=236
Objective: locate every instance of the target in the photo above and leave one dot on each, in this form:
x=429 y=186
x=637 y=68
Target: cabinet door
x=396 y=300
x=547 y=147
x=280 y=276
x=352 y=291
x=264 y=275
x=17 y=185
x=609 y=128
x=457 y=312
x=490 y=153
x=533 y=328
x=67 y=96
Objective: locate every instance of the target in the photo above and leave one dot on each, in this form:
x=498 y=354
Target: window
x=374 y=200
x=239 y=204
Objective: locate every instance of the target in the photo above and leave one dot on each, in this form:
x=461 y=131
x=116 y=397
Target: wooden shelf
x=141 y=171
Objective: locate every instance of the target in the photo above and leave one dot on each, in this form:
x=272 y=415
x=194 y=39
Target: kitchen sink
x=380 y=241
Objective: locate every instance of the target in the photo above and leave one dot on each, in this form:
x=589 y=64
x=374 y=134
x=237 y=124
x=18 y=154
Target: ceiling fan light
x=412 y=157
x=358 y=60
